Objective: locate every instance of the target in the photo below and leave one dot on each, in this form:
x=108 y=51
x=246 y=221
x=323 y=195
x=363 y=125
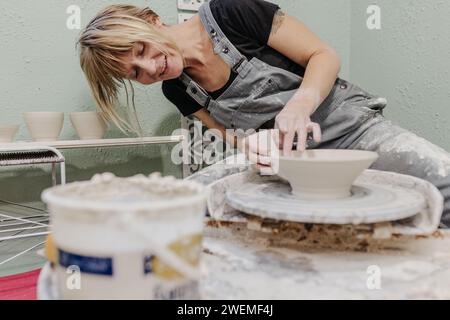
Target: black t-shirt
x=247 y=24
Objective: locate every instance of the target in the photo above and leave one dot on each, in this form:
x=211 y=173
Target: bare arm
x=204 y=116
x=255 y=146
x=293 y=39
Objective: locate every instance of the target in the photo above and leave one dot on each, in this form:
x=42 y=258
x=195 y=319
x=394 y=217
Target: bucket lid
x=106 y=192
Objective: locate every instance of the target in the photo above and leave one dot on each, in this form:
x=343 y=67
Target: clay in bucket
x=324 y=174
x=127 y=238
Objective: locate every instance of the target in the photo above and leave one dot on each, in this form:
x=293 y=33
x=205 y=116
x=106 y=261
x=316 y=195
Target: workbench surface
x=244 y=264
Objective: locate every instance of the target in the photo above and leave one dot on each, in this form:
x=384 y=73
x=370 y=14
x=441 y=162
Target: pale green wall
x=329 y=19
x=40 y=68
x=407 y=61
x=39 y=71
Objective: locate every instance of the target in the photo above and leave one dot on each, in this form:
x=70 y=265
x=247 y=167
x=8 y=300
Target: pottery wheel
x=369 y=203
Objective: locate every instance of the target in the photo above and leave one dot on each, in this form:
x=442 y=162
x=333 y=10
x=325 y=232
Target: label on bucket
x=132 y=275
x=171 y=284
x=91 y=265
x=189 y=290
x=187 y=248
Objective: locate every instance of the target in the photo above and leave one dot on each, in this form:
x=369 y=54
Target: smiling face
x=147 y=64
x=126 y=42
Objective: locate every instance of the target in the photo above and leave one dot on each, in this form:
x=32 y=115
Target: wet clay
x=324 y=174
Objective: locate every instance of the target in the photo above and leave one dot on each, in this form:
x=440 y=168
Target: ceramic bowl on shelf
x=8 y=132
x=324 y=174
x=44 y=126
x=88 y=125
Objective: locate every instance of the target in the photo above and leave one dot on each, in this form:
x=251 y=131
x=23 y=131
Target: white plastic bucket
x=128 y=238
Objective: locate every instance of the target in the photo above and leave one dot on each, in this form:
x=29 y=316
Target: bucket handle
x=166 y=255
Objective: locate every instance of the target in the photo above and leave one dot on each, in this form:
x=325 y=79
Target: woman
x=244 y=64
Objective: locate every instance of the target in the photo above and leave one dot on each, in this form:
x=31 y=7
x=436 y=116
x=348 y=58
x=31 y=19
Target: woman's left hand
x=296 y=119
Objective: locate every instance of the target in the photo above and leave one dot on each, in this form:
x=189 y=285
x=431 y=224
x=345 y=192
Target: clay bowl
x=44 y=126
x=324 y=174
x=8 y=132
x=88 y=125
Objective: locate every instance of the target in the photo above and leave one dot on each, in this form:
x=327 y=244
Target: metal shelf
x=79 y=144
x=27 y=225
x=19 y=225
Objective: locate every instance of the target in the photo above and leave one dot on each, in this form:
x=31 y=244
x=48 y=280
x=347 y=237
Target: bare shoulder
x=278 y=20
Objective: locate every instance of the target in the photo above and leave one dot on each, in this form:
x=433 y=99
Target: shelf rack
x=19 y=222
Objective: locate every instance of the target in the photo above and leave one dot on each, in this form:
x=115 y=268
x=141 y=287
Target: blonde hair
x=104 y=41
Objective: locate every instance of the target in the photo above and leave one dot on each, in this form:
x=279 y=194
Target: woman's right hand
x=262 y=149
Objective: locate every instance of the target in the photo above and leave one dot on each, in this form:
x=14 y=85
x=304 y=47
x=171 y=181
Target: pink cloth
x=19 y=286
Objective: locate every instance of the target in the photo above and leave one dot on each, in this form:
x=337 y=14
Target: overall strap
x=222 y=47
x=194 y=90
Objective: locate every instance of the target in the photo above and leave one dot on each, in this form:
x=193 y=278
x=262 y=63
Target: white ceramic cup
x=88 y=125
x=44 y=126
x=8 y=132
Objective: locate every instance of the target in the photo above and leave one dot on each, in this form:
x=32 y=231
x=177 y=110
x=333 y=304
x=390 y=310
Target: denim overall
x=350 y=117
x=261 y=91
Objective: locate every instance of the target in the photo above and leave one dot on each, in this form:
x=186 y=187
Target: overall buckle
x=238 y=64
